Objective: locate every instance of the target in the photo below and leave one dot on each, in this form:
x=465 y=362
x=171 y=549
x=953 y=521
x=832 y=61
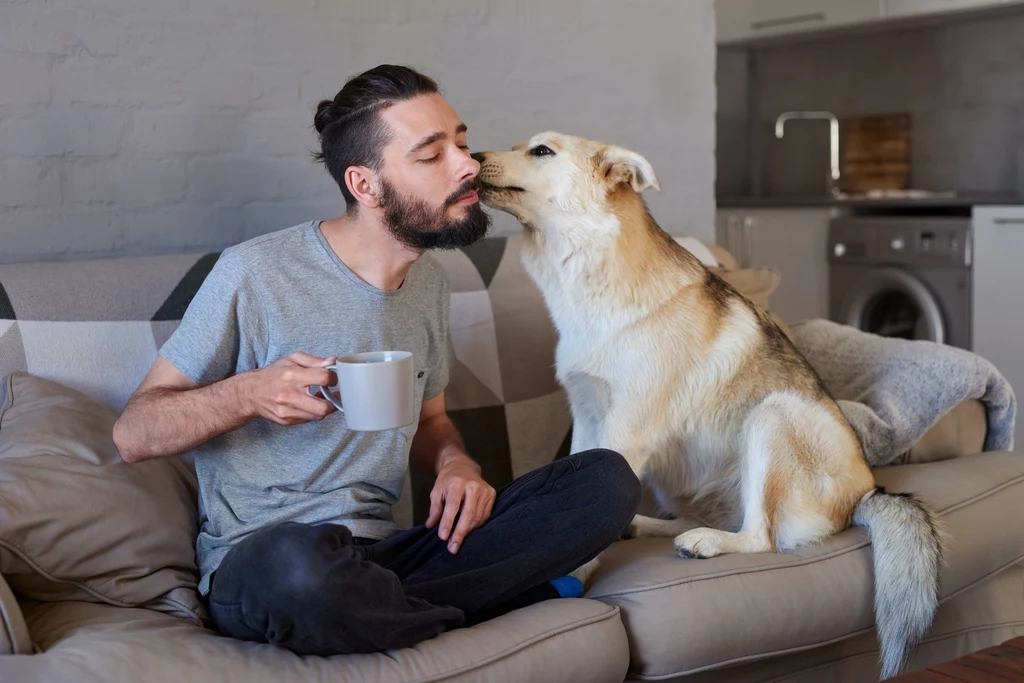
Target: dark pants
x=315 y=590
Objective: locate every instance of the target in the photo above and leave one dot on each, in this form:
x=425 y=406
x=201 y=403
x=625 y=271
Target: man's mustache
x=464 y=189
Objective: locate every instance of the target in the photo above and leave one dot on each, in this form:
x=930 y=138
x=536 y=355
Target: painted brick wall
x=137 y=126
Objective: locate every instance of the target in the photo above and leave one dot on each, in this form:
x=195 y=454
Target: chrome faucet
x=780 y=128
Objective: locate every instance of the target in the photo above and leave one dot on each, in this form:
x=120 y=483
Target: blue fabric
x=568 y=586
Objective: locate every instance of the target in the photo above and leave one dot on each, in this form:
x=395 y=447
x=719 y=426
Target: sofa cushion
x=564 y=640
x=989 y=613
x=78 y=523
x=685 y=616
x=14 y=637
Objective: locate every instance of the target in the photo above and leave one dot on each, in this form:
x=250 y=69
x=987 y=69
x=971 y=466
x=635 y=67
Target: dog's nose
x=479 y=156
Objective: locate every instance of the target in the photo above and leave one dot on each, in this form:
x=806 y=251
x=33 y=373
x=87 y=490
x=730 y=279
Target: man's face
x=428 y=181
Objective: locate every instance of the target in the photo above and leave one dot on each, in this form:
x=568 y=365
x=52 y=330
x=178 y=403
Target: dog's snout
x=479 y=156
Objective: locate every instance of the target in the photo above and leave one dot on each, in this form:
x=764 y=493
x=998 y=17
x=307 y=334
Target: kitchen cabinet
x=740 y=20
x=997 y=327
x=894 y=9
x=792 y=240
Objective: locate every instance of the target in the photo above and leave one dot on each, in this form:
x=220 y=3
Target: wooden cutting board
x=875 y=153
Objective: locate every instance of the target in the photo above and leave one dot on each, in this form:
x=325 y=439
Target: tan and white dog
x=696 y=387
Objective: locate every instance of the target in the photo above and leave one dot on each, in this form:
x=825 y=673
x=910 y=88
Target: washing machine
x=902 y=276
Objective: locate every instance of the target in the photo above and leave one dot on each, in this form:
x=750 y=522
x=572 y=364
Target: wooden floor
x=993 y=665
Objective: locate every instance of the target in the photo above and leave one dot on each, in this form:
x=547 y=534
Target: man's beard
x=419 y=226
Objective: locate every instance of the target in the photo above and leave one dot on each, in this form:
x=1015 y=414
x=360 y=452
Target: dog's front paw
x=698 y=543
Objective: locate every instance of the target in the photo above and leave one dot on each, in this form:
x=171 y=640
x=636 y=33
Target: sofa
x=97 y=567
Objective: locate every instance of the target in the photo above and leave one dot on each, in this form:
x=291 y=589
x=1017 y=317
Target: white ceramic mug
x=377 y=390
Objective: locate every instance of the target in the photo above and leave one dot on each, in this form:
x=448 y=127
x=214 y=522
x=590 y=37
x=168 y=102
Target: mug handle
x=326 y=392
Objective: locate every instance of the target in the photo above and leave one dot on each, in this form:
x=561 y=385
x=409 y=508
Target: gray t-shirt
x=264 y=299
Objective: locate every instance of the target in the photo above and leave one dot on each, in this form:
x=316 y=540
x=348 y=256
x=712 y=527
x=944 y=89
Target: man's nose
x=469 y=168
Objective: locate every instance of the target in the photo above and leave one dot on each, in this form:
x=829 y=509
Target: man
x=297 y=545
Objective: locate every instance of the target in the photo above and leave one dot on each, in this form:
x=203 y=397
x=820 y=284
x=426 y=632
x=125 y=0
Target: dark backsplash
x=962 y=82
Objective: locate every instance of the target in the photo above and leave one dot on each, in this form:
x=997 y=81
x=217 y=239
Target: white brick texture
x=130 y=182
x=32 y=182
x=75 y=131
x=24 y=79
x=149 y=127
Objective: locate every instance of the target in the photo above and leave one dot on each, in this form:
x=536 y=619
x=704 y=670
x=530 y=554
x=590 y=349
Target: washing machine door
x=891 y=302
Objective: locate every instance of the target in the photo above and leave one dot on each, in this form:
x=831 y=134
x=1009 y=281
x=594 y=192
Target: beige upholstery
x=14 y=635
x=990 y=612
x=960 y=432
x=77 y=522
x=563 y=640
x=686 y=616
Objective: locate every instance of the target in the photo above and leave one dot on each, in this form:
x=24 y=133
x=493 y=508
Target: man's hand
x=459 y=490
x=280 y=391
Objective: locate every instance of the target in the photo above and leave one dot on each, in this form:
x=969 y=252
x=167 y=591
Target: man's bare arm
x=169 y=414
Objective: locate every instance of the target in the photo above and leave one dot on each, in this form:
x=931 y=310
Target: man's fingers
x=485 y=507
x=467 y=522
x=452 y=503
x=307 y=361
x=304 y=359
x=314 y=377
x=312 y=407
x=435 y=508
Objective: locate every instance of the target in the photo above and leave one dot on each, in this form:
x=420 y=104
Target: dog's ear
x=619 y=165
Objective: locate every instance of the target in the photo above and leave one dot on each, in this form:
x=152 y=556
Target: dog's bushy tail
x=908 y=546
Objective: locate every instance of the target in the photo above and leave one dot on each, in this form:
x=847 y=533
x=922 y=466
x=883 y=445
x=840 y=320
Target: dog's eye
x=542 y=150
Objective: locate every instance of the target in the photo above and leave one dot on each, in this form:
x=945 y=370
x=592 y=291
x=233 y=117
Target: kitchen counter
x=937 y=200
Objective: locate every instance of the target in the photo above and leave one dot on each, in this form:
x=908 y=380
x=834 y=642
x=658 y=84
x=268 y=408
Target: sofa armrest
x=961 y=431
x=14 y=636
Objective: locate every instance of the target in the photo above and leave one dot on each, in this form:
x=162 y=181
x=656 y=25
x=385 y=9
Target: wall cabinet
x=895 y=9
x=751 y=19
x=740 y=21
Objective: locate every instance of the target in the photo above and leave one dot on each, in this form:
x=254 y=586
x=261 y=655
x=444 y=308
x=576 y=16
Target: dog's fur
x=705 y=397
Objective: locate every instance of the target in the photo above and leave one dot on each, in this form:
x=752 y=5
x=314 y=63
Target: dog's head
x=554 y=180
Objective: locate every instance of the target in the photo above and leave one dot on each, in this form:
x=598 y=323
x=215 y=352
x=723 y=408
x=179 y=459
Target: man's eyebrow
x=434 y=137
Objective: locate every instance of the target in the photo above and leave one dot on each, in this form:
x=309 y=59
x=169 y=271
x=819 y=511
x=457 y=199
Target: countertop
x=953 y=199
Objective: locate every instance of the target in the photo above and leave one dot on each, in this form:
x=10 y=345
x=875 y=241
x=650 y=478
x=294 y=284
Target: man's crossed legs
x=316 y=590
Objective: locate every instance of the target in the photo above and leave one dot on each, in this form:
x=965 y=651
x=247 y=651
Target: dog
x=742 y=446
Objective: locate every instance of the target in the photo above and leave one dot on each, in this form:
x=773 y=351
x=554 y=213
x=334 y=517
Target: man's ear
x=361 y=182
x=617 y=165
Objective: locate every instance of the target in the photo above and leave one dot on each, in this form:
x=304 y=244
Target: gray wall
x=130 y=127
x=961 y=81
